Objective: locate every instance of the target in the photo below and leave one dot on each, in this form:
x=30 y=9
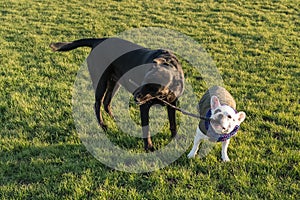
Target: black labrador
x=160 y=75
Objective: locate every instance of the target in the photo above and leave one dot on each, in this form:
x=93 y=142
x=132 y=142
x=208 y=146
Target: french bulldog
x=219 y=107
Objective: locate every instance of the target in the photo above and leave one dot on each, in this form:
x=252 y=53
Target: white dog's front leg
x=225 y=144
x=199 y=136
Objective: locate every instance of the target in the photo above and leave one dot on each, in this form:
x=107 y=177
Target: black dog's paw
x=104 y=127
x=173 y=134
x=150 y=149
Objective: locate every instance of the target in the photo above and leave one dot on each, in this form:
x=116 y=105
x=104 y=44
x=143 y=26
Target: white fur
x=225 y=144
x=226 y=125
x=200 y=136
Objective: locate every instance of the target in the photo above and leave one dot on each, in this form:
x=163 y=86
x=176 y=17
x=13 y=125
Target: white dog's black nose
x=224 y=130
x=220 y=117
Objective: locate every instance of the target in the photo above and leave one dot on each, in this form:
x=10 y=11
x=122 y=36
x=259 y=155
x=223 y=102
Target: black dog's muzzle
x=151 y=91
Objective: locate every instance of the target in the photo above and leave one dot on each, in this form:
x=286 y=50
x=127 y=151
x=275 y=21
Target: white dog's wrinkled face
x=224 y=118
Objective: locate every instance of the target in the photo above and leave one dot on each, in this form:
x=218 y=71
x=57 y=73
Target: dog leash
x=184 y=111
x=176 y=108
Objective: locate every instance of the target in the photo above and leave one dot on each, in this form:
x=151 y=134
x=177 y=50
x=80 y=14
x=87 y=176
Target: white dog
x=219 y=106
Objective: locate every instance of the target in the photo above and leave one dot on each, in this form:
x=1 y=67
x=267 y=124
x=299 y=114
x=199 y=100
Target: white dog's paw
x=225 y=159
x=191 y=155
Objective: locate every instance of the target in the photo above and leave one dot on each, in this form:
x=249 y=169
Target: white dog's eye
x=229 y=116
x=217 y=111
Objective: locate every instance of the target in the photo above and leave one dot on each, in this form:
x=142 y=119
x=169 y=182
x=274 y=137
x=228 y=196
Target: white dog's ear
x=214 y=102
x=241 y=116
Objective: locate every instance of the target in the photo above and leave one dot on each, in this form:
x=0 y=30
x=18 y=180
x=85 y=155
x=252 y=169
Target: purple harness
x=221 y=137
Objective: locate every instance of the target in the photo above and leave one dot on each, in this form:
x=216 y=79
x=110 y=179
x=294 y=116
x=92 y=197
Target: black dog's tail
x=67 y=46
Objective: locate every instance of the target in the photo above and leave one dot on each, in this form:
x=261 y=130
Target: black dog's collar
x=215 y=136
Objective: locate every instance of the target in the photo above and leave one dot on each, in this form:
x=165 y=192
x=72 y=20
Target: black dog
x=159 y=75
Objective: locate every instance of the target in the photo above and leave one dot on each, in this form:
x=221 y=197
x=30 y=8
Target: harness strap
x=224 y=137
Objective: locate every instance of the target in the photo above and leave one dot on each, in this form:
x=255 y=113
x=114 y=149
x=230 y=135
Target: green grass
x=255 y=45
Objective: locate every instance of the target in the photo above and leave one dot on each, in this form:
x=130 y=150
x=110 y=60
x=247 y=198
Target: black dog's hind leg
x=172 y=119
x=112 y=88
x=100 y=92
x=144 y=112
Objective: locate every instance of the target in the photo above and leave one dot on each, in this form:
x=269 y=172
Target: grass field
x=256 y=47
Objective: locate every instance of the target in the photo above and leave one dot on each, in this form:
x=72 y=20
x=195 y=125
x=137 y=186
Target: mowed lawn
x=255 y=46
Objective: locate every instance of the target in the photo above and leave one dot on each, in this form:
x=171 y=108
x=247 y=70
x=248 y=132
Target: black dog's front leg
x=172 y=119
x=144 y=112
